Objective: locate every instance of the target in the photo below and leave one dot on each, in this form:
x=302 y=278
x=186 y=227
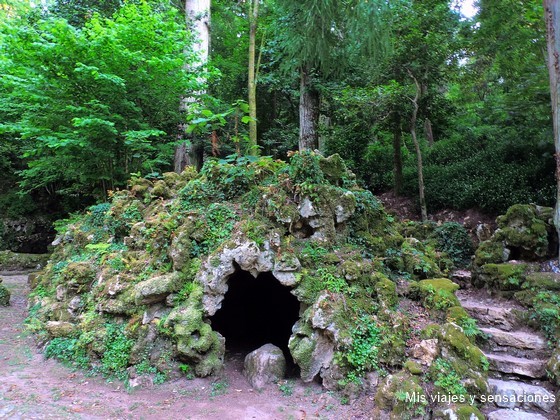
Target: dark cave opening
x=256 y=311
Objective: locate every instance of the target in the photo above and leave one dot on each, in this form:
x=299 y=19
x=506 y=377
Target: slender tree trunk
x=397 y=155
x=308 y=112
x=197 y=14
x=252 y=82
x=552 y=18
x=421 y=195
x=428 y=131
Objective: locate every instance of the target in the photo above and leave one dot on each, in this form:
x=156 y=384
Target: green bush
x=68 y=351
x=454 y=240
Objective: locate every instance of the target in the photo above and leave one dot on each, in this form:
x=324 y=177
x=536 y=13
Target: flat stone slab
x=514 y=394
x=490 y=315
x=509 y=364
x=505 y=414
x=517 y=339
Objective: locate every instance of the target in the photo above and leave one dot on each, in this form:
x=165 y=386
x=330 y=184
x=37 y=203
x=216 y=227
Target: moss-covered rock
x=386 y=292
x=458 y=412
x=553 y=366
x=413 y=367
x=503 y=277
x=525 y=232
x=464 y=358
x=457 y=315
x=156 y=262
x=436 y=294
x=156 y=289
x=4 y=294
x=543 y=281
x=402 y=396
x=17 y=261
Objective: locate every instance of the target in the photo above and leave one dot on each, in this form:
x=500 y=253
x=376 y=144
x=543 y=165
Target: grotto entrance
x=256 y=311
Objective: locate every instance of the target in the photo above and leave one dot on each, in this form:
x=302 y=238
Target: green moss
x=386 y=292
x=301 y=349
x=543 y=281
x=17 y=261
x=468 y=412
x=161 y=190
x=4 y=296
x=457 y=315
x=436 y=294
x=413 y=367
x=489 y=252
x=553 y=366
x=335 y=170
x=504 y=277
x=395 y=394
x=463 y=347
x=79 y=273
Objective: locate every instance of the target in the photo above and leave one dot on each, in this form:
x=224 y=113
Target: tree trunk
x=252 y=82
x=197 y=15
x=429 y=133
x=397 y=155
x=308 y=113
x=552 y=18
x=421 y=195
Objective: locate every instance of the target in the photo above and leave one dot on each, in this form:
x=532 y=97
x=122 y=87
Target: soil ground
x=34 y=388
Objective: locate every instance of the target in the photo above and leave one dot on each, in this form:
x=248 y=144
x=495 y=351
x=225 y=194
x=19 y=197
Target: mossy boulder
x=458 y=412
x=60 y=328
x=79 y=274
x=503 y=277
x=161 y=190
x=158 y=260
x=457 y=315
x=413 y=367
x=543 y=281
x=402 y=395
x=436 y=294
x=4 y=294
x=386 y=292
x=525 y=232
x=553 y=366
x=10 y=261
x=465 y=359
x=156 y=289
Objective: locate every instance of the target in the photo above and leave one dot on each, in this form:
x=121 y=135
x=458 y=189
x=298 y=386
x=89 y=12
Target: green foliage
x=111 y=90
x=219 y=220
x=362 y=354
x=286 y=388
x=145 y=368
x=546 y=313
x=186 y=370
x=218 y=388
x=438 y=299
x=304 y=168
x=313 y=254
x=330 y=281
x=445 y=378
x=117 y=351
x=68 y=351
x=235 y=175
x=454 y=240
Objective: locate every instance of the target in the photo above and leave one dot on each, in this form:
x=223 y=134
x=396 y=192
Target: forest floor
x=32 y=387
x=407 y=208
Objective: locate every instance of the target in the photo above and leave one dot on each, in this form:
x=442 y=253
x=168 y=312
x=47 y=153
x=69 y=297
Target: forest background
x=94 y=92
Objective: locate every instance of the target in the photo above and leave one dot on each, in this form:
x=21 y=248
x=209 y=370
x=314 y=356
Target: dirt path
x=34 y=388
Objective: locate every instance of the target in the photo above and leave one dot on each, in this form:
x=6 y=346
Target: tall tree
x=317 y=38
x=197 y=13
x=552 y=18
x=252 y=76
